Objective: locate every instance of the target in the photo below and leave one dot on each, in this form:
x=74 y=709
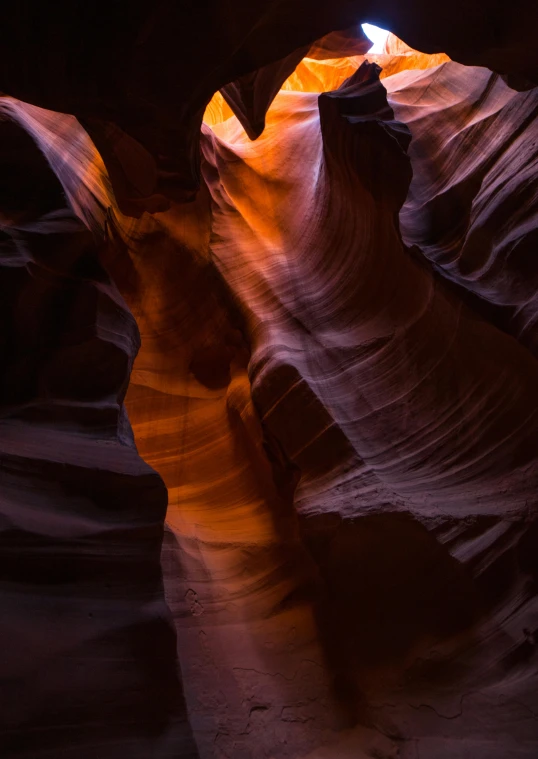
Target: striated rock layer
x=89 y=665
x=139 y=75
x=336 y=382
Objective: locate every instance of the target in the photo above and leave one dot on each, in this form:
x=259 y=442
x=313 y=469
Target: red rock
x=88 y=648
x=336 y=383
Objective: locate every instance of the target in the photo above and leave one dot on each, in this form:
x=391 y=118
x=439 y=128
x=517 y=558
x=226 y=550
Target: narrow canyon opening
x=269 y=422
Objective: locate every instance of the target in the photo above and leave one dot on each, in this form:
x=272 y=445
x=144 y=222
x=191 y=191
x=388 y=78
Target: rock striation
x=89 y=665
x=269 y=433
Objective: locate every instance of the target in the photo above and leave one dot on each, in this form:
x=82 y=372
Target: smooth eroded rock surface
x=319 y=374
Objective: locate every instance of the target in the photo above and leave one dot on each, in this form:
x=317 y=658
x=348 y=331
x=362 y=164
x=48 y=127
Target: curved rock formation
x=395 y=375
x=142 y=90
x=472 y=207
x=88 y=652
x=336 y=382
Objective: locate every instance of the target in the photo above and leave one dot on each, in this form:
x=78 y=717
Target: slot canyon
x=269 y=374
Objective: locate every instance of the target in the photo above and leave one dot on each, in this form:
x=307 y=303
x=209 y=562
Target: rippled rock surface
x=269 y=457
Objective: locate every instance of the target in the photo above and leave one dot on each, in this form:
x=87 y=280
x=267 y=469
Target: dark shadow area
x=389 y=586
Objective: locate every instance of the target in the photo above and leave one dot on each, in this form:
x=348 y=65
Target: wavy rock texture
x=88 y=651
x=472 y=208
x=330 y=385
x=405 y=425
x=328 y=63
x=140 y=75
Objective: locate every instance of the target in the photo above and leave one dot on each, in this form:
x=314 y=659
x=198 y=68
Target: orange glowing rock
x=317 y=72
x=332 y=410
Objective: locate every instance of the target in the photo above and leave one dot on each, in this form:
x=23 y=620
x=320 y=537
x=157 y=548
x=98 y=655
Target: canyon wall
x=269 y=435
